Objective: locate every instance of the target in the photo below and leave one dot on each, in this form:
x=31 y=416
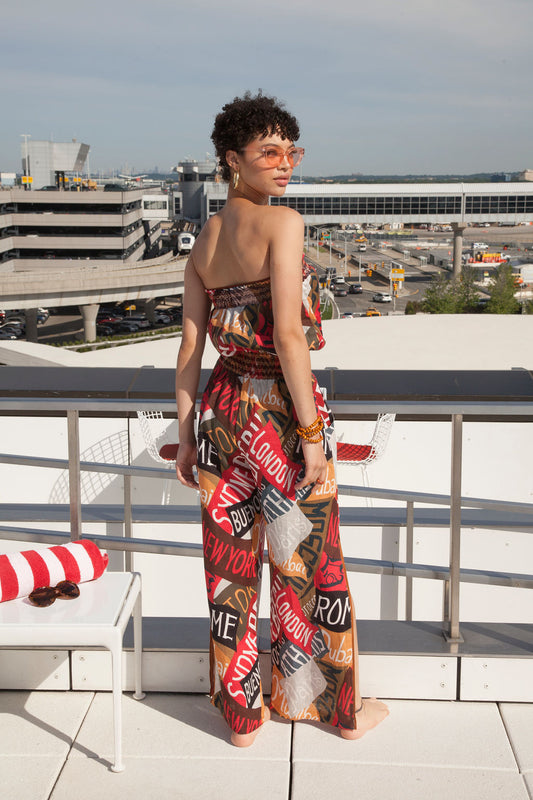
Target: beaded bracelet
x=315 y=426
x=312 y=433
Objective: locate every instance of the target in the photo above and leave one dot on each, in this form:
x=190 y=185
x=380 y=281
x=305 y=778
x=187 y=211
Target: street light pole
x=318 y=228
x=346 y=254
x=26 y=136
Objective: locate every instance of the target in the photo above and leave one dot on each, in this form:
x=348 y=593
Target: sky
x=379 y=87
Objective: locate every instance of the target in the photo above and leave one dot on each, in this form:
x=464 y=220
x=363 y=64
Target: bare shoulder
x=206 y=243
x=285 y=234
x=286 y=219
x=210 y=230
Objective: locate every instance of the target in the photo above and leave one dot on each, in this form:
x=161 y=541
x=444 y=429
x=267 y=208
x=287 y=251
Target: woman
x=264 y=448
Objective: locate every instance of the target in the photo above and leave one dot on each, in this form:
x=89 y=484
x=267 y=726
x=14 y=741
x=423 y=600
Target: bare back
x=233 y=246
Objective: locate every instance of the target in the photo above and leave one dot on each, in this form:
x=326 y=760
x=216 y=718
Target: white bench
x=98 y=618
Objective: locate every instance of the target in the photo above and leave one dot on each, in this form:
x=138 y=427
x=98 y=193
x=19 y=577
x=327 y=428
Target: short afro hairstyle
x=246 y=118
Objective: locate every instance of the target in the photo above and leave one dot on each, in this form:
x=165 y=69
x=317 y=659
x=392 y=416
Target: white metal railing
x=452 y=575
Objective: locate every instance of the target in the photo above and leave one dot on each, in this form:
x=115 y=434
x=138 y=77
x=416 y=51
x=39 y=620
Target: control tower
x=192 y=175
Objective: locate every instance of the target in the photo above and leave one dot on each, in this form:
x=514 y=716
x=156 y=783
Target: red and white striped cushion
x=21 y=573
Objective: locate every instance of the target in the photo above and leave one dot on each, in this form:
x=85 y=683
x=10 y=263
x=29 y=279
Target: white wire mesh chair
x=361 y=455
x=158 y=443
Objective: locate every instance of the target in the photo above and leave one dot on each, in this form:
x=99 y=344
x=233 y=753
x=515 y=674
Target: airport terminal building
x=381 y=204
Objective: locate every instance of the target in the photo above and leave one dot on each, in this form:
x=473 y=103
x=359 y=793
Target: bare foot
x=246 y=739
x=372 y=713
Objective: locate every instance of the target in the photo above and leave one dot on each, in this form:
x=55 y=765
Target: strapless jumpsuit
x=249 y=460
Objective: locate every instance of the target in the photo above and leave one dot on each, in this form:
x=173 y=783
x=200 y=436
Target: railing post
x=409 y=555
x=74 y=473
x=446 y=600
x=452 y=633
x=128 y=556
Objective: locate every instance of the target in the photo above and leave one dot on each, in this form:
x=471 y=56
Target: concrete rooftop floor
x=59 y=745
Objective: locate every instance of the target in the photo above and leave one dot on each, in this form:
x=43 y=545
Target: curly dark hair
x=246 y=118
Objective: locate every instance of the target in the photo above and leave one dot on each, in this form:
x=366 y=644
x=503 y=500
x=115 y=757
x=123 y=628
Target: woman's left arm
x=286 y=248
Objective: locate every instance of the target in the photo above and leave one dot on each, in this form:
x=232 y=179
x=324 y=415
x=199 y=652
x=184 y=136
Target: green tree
x=440 y=297
x=466 y=292
x=413 y=307
x=502 y=290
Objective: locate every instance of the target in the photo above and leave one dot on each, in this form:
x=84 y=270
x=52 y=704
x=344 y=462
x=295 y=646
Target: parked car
x=104 y=330
x=126 y=326
x=6 y=334
x=114 y=187
x=162 y=318
x=16 y=319
x=372 y=312
x=382 y=297
x=175 y=313
x=355 y=288
x=102 y=318
x=16 y=330
x=138 y=319
x=15 y=324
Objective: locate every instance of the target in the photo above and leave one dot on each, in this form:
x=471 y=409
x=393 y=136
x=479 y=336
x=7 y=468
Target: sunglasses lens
x=295 y=157
x=273 y=156
x=43 y=596
x=68 y=590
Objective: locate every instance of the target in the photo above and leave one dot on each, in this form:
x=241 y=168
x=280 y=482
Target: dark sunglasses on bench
x=46 y=595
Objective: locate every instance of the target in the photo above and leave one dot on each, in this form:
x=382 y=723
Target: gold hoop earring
x=235 y=179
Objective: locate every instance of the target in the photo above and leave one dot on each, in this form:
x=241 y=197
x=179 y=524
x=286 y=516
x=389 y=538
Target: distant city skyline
x=417 y=87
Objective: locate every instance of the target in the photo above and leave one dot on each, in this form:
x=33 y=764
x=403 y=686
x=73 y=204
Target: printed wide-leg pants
x=249 y=459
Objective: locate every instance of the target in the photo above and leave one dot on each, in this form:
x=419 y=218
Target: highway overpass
x=88 y=286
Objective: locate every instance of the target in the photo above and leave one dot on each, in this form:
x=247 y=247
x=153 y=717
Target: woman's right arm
x=196 y=307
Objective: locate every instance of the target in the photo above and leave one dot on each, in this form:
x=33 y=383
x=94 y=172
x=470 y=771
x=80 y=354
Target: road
x=518 y=240
x=414 y=287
